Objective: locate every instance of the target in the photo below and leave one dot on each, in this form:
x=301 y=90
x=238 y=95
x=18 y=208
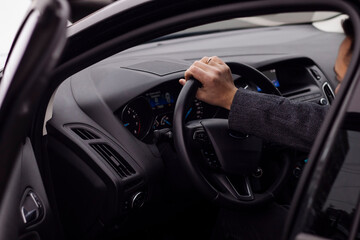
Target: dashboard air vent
x=121 y=166
x=85 y=134
x=329 y=93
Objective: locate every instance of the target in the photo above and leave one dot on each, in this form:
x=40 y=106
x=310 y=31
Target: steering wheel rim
x=228 y=195
x=257 y=77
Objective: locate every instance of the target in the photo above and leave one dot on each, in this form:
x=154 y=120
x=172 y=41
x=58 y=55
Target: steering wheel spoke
x=241 y=191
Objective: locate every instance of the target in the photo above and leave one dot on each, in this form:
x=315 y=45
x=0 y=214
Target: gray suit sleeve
x=276 y=119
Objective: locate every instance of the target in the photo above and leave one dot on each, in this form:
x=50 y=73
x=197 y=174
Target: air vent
x=85 y=134
x=328 y=92
x=121 y=166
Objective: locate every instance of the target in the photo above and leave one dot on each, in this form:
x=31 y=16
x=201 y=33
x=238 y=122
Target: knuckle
x=217 y=71
x=204 y=58
x=188 y=73
x=212 y=78
x=196 y=63
x=225 y=68
x=228 y=70
x=192 y=68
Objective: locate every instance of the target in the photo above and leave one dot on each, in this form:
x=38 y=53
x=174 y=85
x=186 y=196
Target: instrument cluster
x=154 y=110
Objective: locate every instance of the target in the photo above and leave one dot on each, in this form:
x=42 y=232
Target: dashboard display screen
x=160 y=100
x=271 y=74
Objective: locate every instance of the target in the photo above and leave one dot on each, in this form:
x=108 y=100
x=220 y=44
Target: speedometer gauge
x=137 y=117
x=131 y=121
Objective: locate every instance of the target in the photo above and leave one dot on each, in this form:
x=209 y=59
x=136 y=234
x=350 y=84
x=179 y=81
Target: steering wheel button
x=199 y=136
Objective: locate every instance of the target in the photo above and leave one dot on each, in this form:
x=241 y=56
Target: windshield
x=12 y=13
x=258 y=21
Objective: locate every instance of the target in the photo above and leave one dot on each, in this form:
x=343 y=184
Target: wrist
x=230 y=98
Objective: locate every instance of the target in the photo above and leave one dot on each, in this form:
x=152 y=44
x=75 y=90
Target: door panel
x=9 y=207
x=35 y=212
x=25 y=193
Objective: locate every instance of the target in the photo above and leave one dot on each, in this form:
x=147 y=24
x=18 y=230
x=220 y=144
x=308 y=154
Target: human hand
x=217 y=84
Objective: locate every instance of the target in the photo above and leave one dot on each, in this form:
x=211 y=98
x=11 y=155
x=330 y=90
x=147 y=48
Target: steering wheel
x=218 y=160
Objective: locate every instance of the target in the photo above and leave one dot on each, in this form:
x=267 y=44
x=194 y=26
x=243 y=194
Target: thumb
x=182 y=81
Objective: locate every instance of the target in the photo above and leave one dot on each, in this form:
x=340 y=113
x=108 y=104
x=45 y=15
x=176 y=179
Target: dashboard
x=107 y=118
x=298 y=79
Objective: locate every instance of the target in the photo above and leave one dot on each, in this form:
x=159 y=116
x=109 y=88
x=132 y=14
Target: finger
x=200 y=94
x=182 y=81
x=207 y=60
x=217 y=60
x=218 y=64
x=204 y=59
x=188 y=74
x=210 y=68
x=196 y=73
x=203 y=66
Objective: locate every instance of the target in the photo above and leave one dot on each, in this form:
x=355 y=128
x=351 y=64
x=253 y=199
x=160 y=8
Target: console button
x=323 y=101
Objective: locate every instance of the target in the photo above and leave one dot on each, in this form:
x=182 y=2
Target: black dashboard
x=107 y=118
x=298 y=79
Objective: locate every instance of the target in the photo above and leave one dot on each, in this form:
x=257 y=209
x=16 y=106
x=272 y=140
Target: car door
x=24 y=209
x=327 y=204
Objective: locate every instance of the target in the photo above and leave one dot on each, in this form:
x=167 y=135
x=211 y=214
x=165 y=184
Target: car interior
x=126 y=153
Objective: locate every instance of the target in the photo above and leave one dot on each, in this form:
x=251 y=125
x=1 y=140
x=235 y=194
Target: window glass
x=334 y=207
x=12 y=14
x=326 y=21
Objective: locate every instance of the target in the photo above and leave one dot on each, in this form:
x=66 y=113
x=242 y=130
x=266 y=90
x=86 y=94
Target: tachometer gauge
x=137 y=117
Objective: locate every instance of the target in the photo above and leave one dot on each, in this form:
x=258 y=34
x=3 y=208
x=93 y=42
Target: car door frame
x=24 y=79
x=108 y=41
x=309 y=183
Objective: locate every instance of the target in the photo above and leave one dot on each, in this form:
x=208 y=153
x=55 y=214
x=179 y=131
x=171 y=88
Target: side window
x=12 y=14
x=335 y=205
